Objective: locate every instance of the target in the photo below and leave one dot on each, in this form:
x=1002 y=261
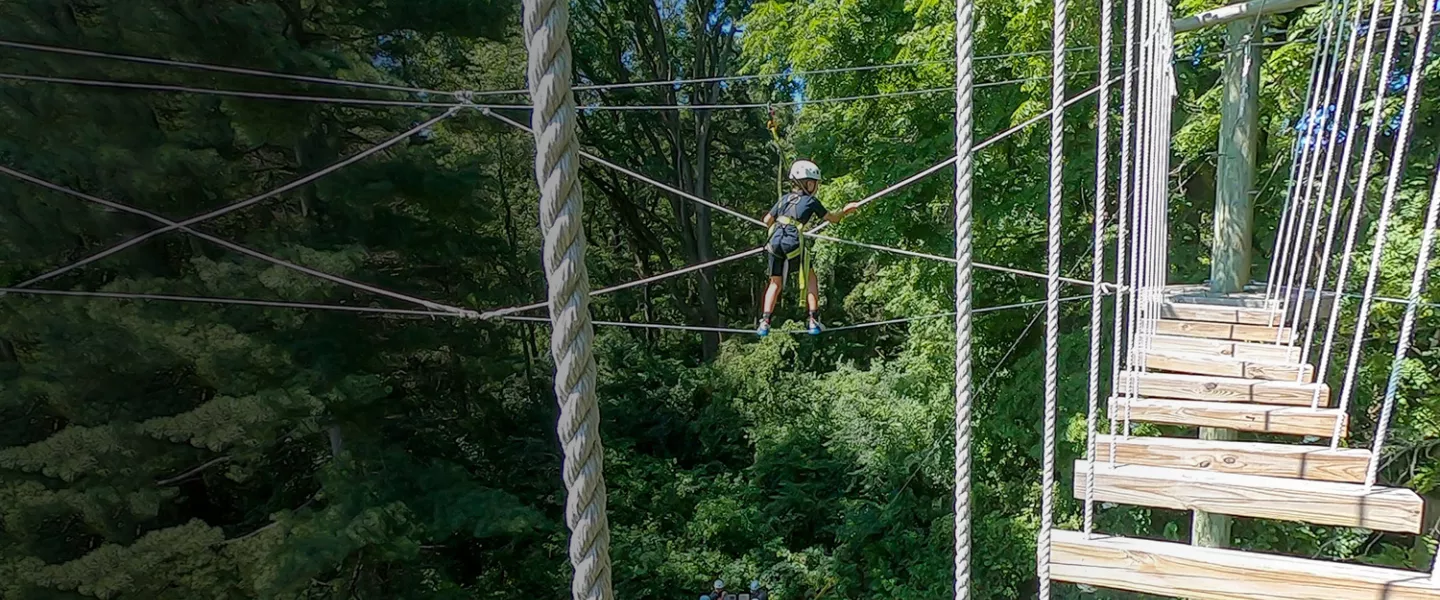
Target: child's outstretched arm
x=839 y=215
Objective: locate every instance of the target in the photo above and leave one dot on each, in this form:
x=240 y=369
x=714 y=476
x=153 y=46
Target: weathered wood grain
x=1184 y=571
x=1296 y=461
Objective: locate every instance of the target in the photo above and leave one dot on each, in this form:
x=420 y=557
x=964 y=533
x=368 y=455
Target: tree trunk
x=704 y=244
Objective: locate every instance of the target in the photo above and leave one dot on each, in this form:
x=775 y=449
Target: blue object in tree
x=1399 y=80
x=1393 y=125
x=1200 y=51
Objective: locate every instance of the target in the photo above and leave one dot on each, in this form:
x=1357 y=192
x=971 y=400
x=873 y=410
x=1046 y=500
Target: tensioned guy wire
x=161 y=87
x=185 y=225
x=501 y=312
x=216 y=68
x=230 y=301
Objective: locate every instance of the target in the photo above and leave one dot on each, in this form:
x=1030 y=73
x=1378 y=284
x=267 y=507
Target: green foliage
x=155 y=450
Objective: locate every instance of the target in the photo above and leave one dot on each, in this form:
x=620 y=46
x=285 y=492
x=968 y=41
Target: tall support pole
x=1234 y=205
x=1234 y=209
x=557 y=172
x=964 y=183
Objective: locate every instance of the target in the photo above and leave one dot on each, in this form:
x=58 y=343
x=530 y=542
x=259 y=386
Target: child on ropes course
x=786 y=247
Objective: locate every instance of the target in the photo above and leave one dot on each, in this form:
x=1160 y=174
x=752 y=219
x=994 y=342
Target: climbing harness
x=788 y=204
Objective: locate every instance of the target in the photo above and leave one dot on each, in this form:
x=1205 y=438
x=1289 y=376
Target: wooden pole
x=1234 y=209
x=1234 y=205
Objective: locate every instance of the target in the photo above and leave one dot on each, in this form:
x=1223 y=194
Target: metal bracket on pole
x=1234 y=12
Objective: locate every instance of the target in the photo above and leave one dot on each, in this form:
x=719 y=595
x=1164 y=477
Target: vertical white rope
x=1097 y=261
x=1164 y=87
x=1340 y=101
x=1145 y=185
x=1392 y=183
x=1122 y=262
x=1343 y=177
x=1307 y=171
x=557 y=172
x=964 y=174
x=1362 y=186
x=1166 y=56
x=1298 y=156
x=1282 y=231
x=1052 y=291
x=1422 y=262
x=1139 y=285
x=1407 y=329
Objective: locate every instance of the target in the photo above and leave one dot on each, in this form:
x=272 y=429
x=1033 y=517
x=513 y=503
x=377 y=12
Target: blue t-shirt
x=801 y=207
x=785 y=238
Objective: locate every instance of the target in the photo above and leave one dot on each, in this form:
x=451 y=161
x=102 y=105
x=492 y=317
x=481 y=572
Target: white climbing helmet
x=719 y=584
x=804 y=169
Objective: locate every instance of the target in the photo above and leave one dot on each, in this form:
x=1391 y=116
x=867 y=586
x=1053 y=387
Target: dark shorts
x=782 y=267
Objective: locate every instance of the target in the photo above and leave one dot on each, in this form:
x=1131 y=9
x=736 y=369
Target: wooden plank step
x=1251 y=351
x=1228 y=367
x=1222 y=331
x=1213 y=388
x=1198 y=573
x=1319 y=502
x=1258 y=303
x=1295 y=461
x=1242 y=416
x=1188 y=311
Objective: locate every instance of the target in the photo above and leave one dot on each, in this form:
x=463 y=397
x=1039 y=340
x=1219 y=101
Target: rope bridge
x=1178 y=356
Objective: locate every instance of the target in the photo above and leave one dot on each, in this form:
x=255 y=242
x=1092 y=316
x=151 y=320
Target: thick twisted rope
x=1343 y=176
x=1362 y=185
x=1097 y=264
x=1297 y=154
x=1122 y=229
x=1344 y=95
x=557 y=172
x=1306 y=187
x=964 y=183
x=1407 y=332
x=1287 y=242
x=1392 y=183
x=1052 y=295
x=1422 y=261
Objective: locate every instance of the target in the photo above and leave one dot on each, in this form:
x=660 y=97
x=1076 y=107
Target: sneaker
x=764 y=328
x=815 y=327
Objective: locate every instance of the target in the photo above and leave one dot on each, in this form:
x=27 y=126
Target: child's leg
x=812 y=293
x=772 y=294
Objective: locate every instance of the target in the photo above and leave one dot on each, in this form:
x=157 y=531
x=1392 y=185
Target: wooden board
x=1187 y=311
x=1251 y=351
x=1185 y=571
x=1241 y=416
x=1228 y=367
x=1296 y=461
x=1259 y=303
x=1286 y=499
x=1225 y=389
x=1222 y=331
